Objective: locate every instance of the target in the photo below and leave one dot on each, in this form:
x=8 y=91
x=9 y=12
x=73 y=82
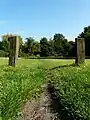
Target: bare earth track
x=48 y=107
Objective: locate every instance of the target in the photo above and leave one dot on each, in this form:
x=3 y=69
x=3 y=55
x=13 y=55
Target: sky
x=44 y=18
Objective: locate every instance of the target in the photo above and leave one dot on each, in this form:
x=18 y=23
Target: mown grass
x=17 y=85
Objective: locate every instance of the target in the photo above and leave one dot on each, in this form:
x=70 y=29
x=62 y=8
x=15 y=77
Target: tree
x=20 y=44
x=1 y=47
x=29 y=44
x=86 y=35
x=35 y=48
x=71 y=49
x=5 y=44
x=31 y=47
x=24 y=48
x=60 y=44
x=44 y=47
x=51 y=47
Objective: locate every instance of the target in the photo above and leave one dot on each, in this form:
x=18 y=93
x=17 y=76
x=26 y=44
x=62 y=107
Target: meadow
x=23 y=83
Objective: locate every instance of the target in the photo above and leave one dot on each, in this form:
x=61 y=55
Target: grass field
x=23 y=83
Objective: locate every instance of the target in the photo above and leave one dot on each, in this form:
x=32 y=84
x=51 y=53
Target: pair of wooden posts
x=13 y=49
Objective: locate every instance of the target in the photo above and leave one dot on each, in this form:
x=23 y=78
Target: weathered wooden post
x=13 y=49
x=80 y=50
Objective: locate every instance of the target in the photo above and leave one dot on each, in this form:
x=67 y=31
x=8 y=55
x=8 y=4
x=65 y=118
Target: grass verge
x=73 y=84
x=17 y=85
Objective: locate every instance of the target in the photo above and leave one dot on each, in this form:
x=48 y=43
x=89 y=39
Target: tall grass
x=22 y=83
x=73 y=84
x=17 y=85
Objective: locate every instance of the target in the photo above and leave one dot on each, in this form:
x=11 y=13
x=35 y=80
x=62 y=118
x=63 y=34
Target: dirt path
x=48 y=107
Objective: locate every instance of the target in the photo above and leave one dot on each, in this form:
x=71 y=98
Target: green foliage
x=3 y=53
x=51 y=47
x=35 y=48
x=71 y=49
x=59 y=44
x=86 y=35
x=31 y=47
x=20 y=44
x=44 y=47
x=5 y=45
x=29 y=44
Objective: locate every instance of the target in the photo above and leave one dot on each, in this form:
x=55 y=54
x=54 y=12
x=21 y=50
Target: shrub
x=3 y=53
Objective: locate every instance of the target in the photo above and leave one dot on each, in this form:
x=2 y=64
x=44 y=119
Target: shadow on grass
x=63 y=66
x=58 y=107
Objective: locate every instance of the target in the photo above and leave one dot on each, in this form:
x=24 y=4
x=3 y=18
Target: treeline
x=57 y=46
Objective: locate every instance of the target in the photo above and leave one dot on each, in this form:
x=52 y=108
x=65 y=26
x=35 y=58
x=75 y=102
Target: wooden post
x=80 y=50
x=13 y=49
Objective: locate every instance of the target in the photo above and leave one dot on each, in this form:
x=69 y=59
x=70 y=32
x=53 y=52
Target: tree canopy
x=86 y=35
x=57 y=46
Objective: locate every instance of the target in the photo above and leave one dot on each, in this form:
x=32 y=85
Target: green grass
x=17 y=85
x=73 y=84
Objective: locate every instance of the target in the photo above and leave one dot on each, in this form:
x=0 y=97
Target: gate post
x=13 y=49
x=80 y=50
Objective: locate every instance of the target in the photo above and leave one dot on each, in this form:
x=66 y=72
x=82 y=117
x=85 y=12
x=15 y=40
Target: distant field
x=23 y=83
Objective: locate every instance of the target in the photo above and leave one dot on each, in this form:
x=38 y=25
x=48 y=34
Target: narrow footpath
x=47 y=107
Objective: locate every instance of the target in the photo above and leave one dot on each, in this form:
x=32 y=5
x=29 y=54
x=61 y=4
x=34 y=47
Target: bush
x=3 y=53
x=23 y=54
